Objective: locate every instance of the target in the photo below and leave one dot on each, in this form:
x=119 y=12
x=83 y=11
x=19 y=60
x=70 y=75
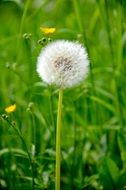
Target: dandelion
x=11 y=108
x=64 y=64
x=48 y=30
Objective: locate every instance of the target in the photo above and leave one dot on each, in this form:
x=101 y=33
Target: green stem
x=26 y=148
x=78 y=14
x=24 y=16
x=21 y=28
x=51 y=113
x=58 y=140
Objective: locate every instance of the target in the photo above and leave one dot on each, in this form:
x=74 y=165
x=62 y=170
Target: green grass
x=94 y=113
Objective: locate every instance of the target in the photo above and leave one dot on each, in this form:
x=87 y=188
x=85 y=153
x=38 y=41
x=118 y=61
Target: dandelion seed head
x=63 y=63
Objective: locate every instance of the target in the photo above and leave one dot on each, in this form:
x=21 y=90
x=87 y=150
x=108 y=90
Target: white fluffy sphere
x=63 y=63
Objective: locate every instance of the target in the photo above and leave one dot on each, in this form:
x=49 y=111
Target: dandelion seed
x=11 y=108
x=63 y=63
x=48 y=30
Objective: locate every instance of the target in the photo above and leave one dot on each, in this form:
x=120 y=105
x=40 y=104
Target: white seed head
x=63 y=63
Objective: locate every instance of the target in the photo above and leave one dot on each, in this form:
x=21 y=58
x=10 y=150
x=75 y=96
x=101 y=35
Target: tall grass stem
x=26 y=148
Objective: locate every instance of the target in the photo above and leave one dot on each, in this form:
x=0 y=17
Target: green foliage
x=94 y=113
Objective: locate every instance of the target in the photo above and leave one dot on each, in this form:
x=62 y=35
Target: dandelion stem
x=58 y=140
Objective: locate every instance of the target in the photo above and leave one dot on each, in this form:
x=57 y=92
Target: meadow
x=94 y=113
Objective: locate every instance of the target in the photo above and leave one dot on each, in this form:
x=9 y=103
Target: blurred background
x=94 y=113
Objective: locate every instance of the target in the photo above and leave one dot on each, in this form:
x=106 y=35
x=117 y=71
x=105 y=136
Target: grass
x=94 y=113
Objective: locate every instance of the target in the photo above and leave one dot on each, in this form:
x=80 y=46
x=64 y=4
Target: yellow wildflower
x=11 y=108
x=48 y=30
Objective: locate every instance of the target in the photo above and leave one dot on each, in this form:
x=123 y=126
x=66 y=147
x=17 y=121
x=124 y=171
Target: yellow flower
x=11 y=108
x=48 y=30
